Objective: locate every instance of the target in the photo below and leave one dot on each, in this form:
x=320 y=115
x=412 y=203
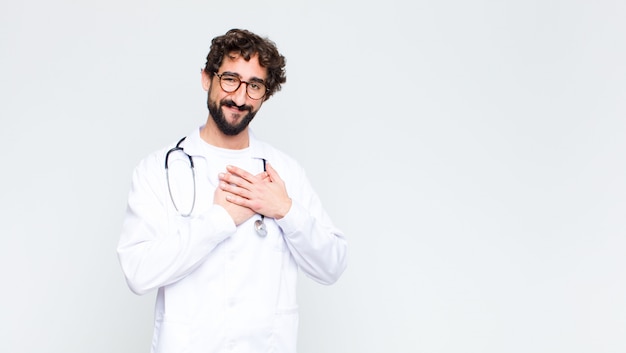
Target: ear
x=206 y=80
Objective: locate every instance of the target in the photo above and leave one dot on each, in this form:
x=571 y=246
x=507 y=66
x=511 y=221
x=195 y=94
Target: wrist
x=282 y=212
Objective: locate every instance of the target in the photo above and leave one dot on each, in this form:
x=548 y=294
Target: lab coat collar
x=193 y=145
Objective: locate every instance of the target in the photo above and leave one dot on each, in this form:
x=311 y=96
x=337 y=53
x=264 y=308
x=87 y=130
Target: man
x=222 y=230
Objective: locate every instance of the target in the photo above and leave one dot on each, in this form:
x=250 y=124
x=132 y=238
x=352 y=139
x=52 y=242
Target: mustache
x=229 y=103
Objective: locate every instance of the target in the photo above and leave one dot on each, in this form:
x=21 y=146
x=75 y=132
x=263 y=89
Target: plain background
x=472 y=151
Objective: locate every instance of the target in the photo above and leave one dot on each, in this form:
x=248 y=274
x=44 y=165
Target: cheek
x=214 y=96
x=256 y=106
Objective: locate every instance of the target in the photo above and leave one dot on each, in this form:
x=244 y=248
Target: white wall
x=473 y=152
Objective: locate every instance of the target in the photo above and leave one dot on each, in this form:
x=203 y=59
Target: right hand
x=239 y=214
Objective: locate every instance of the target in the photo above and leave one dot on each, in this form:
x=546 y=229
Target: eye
x=230 y=79
x=256 y=86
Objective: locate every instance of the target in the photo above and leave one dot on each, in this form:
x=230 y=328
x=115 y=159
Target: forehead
x=236 y=64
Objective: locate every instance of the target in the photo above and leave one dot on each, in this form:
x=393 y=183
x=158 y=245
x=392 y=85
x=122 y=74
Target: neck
x=212 y=135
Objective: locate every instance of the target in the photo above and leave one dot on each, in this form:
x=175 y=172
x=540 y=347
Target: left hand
x=264 y=193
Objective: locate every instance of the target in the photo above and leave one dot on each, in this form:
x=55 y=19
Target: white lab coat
x=221 y=287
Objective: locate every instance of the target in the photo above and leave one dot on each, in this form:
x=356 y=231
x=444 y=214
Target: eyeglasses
x=230 y=83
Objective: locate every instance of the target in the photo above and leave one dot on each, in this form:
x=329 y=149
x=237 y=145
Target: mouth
x=232 y=106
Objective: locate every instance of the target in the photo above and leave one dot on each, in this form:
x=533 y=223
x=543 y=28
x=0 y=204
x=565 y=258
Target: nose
x=240 y=95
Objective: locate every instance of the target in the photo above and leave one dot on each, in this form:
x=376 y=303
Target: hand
x=239 y=214
x=264 y=193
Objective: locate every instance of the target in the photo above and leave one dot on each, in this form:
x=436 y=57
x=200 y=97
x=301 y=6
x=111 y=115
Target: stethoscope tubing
x=193 y=175
x=259 y=224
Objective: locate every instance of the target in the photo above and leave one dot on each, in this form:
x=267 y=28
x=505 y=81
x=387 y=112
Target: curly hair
x=248 y=44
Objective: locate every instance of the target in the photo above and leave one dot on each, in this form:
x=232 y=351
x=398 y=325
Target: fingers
x=224 y=196
x=237 y=200
x=241 y=197
x=240 y=185
x=232 y=180
x=234 y=189
x=272 y=173
x=240 y=173
x=263 y=193
x=240 y=177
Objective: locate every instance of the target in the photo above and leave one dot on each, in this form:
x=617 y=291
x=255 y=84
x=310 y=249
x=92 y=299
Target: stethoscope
x=259 y=224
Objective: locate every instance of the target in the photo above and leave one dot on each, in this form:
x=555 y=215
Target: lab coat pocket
x=285 y=331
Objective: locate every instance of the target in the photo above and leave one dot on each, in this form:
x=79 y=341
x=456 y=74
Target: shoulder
x=156 y=159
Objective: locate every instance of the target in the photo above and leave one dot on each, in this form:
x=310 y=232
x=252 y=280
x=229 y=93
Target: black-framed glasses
x=255 y=89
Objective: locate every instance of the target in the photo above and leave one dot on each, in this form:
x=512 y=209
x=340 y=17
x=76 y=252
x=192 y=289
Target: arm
x=158 y=247
x=318 y=247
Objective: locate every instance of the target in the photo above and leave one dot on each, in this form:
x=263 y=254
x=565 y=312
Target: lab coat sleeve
x=318 y=247
x=158 y=247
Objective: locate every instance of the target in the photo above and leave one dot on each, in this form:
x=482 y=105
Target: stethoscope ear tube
x=178 y=148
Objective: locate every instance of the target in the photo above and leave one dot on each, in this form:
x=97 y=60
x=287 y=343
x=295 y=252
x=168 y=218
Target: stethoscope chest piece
x=259 y=226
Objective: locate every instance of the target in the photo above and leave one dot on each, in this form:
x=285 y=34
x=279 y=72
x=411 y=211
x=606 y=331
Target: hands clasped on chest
x=243 y=194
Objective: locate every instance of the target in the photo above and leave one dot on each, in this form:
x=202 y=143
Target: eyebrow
x=253 y=79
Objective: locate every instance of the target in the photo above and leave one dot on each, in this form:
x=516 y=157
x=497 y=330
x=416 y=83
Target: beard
x=223 y=125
